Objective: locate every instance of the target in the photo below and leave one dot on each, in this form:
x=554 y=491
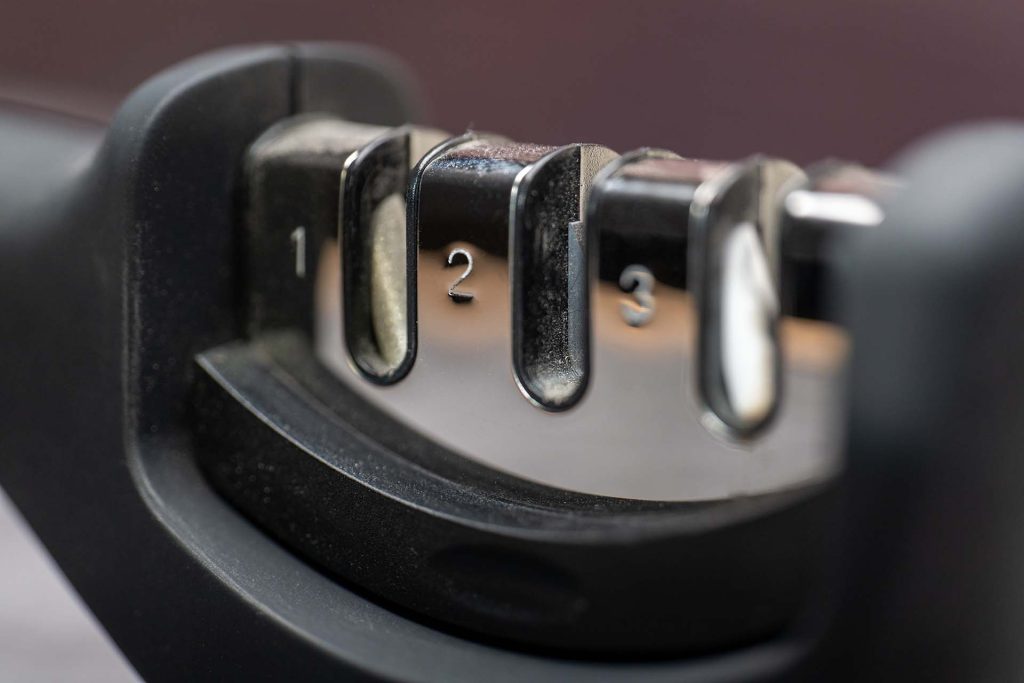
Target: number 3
x=639 y=281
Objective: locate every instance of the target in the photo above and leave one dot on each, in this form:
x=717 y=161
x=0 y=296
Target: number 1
x=299 y=243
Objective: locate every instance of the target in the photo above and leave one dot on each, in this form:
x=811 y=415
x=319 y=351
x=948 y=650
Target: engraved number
x=299 y=243
x=457 y=296
x=640 y=282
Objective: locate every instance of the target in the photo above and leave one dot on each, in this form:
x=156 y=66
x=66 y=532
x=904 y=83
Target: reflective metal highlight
x=735 y=243
x=378 y=252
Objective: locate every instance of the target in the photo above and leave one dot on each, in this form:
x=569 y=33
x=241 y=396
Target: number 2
x=457 y=296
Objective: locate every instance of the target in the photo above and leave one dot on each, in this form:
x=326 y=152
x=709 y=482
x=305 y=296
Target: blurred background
x=712 y=78
x=803 y=79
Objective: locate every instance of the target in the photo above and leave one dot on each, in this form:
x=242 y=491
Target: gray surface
x=46 y=633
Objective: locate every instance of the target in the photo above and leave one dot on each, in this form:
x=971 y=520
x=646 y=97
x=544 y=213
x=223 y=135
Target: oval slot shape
x=551 y=275
x=734 y=253
x=378 y=254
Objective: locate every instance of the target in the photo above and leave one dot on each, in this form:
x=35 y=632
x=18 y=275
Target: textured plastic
x=118 y=260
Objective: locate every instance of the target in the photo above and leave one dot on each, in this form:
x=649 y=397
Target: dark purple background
x=718 y=78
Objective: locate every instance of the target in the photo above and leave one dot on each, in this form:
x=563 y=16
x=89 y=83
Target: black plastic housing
x=119 y=263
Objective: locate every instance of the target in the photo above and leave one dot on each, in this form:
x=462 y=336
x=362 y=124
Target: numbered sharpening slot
x=647 y=326
x=292 y=214
x=637 y=297
x=550 y=278
x=735 y=241
x=378 y=252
